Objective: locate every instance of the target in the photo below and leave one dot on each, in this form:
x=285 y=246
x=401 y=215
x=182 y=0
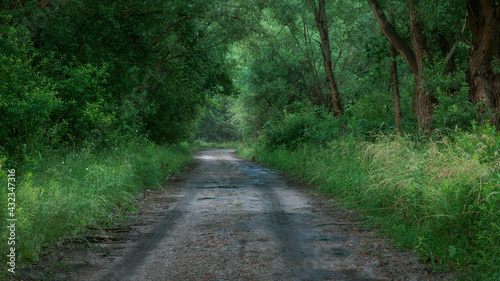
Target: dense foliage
x=93 y=71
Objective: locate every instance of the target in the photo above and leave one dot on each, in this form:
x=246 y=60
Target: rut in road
x=236 y=220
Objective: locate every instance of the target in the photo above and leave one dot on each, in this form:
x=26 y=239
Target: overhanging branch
x=392 y=35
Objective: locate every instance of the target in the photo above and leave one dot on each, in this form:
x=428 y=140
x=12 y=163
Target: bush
x=454 y=110
x=27 y=102
x=84 y=113
x=314 y=125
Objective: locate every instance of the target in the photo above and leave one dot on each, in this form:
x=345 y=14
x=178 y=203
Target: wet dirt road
x=232 y=219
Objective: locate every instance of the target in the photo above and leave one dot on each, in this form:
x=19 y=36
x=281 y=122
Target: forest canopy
x=90 y=71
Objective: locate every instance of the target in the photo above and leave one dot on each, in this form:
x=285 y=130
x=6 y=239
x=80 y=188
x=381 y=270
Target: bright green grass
x=441 y=198
x=62 y=192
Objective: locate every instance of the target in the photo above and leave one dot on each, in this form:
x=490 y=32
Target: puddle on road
x=257 y=182
x=320 y=238
x=221 y=186
x=328 y=238
x=205 y=181
x=267 y=171
x=339 y=252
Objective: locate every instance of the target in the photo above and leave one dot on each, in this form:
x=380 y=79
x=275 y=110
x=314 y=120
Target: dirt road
x=231 y=219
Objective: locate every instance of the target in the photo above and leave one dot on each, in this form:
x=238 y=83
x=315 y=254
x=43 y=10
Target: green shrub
x=84 y=113
x=454 y=110
x=27 y=100
x=309 y=124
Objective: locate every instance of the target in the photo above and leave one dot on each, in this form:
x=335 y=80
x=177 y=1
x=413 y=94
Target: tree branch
x=392 y=35
x=175 y=23
x=452 y=50
x=338 y=57
x=467 y=41
x=193 y=52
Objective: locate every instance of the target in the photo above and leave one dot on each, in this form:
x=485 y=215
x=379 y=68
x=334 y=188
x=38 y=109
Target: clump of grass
x=441 y=198
x=69 y=190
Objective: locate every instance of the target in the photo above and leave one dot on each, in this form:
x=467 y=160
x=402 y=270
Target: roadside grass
x=438 y=197
x=62 y=192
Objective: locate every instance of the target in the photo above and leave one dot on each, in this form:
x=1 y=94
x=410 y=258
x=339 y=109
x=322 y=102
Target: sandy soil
x=232 y=219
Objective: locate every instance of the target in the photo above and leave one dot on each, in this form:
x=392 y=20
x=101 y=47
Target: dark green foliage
x=27 y=98
x=85 y=112
x=94 y=72
x=216 y=123
x=308 y=125
x=454 y=109
x=495 y=64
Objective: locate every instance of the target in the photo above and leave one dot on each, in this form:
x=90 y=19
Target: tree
x=396 y=98
x=322 y=24
x=413 y=56
x=421 y=55
x=484 y=83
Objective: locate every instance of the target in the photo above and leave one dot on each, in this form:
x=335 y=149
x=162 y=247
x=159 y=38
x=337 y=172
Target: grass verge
x=62 y=192
x=440 y=198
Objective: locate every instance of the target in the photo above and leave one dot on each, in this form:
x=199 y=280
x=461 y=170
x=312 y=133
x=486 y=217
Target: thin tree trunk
x=322 y=24
x=396 y=99
x=484 y=22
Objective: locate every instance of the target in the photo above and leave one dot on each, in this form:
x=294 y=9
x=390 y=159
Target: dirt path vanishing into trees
x=232 y=219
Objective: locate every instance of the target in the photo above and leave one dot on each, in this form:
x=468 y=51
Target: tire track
x=294 y=249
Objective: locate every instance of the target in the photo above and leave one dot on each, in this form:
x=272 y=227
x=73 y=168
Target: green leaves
x=27 y=102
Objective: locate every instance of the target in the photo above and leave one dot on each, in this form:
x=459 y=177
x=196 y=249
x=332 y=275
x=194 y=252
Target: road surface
x=233 y=219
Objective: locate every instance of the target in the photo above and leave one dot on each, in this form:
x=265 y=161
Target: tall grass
x=439 y=197
x=62 y=192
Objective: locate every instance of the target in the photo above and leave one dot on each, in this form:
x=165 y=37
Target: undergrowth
x=439 y=197
x=59 y=193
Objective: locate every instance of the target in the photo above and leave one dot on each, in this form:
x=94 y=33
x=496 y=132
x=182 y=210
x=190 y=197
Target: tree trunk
x=423 y=98
x=484 y=22
x=415 y=57
x=322 y=24
x=393 y=69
